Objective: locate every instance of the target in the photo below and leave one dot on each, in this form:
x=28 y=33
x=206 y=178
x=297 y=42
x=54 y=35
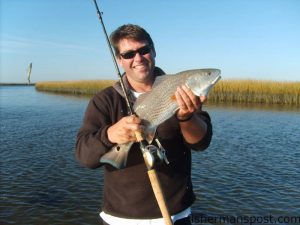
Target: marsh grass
x=227 y=91
x=81 y=87
x=256 y=91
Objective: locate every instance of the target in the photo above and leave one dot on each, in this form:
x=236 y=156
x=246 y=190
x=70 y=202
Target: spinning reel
x=154 y=154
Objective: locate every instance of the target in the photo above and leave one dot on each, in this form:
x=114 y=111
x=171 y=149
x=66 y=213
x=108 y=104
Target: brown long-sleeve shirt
x=127 y=192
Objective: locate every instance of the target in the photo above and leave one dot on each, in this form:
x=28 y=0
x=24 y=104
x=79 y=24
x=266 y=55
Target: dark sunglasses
x=131 y=54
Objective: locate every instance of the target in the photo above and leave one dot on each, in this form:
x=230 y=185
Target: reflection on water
x=251 y=168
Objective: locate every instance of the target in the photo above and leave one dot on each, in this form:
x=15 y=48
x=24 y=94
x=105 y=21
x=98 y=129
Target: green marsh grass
x=227 y=91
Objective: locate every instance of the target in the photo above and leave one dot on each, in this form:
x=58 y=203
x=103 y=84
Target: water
x=252 y=167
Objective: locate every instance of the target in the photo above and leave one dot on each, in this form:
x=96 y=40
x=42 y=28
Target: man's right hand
x=124 y=130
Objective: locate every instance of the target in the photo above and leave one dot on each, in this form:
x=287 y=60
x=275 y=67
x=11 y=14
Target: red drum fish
x=159 y=104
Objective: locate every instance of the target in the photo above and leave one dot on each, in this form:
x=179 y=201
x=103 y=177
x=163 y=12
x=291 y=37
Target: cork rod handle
x=156 y=186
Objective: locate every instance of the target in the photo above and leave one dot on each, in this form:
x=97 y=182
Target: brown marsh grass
x=256 y=91
x=81 y=87
x=227 y=91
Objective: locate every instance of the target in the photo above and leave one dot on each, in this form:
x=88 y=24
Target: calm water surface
x=252 y=167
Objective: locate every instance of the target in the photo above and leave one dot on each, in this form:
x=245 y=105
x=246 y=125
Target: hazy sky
x=257 y=39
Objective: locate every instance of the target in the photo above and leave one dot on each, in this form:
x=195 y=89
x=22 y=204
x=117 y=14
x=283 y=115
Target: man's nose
x=138 y=56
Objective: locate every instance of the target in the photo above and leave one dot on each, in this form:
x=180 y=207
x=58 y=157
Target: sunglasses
x=131 y=54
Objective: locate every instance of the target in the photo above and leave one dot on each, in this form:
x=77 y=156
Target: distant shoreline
x=17 y=84
x=226 y=91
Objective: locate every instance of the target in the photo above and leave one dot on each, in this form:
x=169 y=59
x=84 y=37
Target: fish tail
x=117 y=156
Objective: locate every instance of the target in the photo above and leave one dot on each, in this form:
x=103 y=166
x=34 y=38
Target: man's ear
x=154 y=53
x=119 y=60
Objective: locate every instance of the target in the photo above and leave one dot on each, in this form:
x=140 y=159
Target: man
x=128 y=196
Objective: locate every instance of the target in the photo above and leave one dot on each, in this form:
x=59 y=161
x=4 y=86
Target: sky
x=245 y=39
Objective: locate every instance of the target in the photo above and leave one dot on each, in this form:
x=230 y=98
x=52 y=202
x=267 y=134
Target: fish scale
x=157 y=112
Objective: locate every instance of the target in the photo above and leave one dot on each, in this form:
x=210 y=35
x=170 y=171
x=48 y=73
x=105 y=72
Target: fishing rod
x=114 y=60
x=150 y=155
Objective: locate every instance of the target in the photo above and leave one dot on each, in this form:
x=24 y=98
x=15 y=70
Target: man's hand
x=193 y=128
x=188 y=102
x=124 y=130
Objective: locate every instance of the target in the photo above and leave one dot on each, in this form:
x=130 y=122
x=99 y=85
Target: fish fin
x=173 y=98
x=150 y=134
x=160 y=79
x=117 y=156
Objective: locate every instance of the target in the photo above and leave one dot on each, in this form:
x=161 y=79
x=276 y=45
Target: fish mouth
x=204 y=90
x=216 y=80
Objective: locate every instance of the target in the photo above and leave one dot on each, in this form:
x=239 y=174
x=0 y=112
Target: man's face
x=139 y=69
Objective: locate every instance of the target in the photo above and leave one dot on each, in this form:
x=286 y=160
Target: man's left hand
x=188 y=102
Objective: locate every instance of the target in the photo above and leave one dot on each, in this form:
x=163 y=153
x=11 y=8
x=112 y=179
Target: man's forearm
x=194 y=129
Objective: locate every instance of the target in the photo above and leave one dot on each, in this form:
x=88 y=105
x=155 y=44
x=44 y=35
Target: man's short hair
x=129 y=31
